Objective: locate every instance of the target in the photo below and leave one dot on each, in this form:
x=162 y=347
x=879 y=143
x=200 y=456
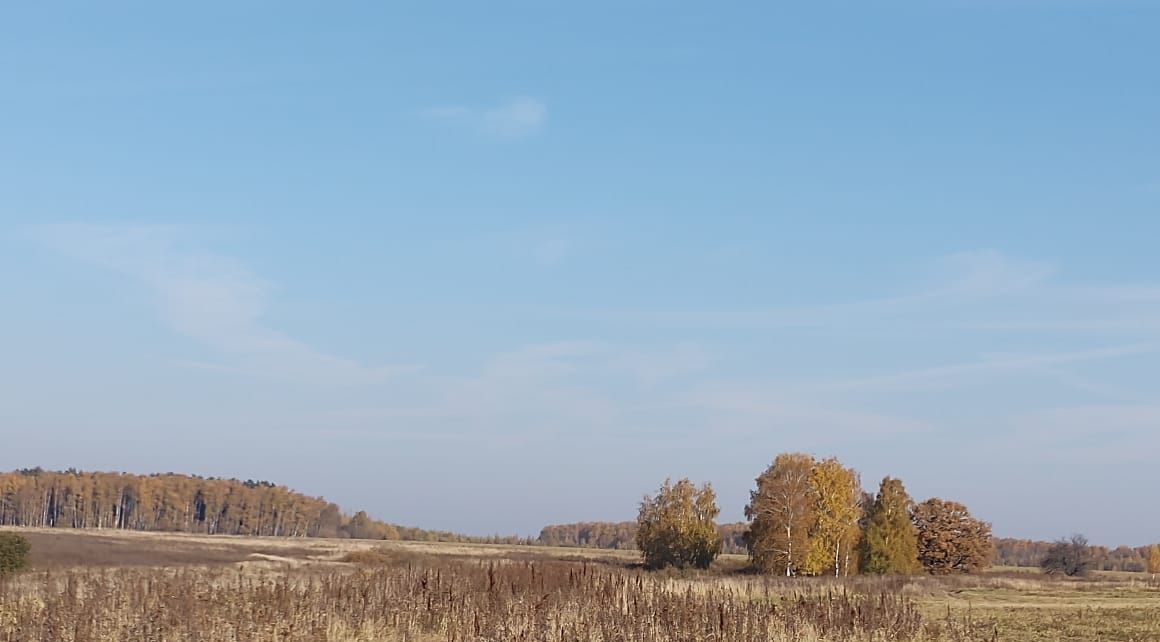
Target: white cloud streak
x=210 y=298
x=515 y=119
x=943 y=375
x=980 y=291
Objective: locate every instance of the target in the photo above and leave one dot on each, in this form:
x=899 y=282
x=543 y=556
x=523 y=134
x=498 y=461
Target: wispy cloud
x=603 y=360
x=213 y=299
x=617 y=393
x=1089 y=434
x=984 y=291
x=740 y=409
x=552 y=251
x=988 y=273
x=518 y=118
x=917 y=379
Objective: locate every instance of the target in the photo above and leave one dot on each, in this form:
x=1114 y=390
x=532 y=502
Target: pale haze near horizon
x=486 y=270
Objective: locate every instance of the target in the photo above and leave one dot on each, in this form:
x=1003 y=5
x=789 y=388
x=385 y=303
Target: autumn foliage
x=676 y=528
x=834 y=535
x=781 y=510
x=950 y=540
x=186 y=503
x=811 y=517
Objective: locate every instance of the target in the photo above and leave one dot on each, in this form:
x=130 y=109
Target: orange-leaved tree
x=782 y=512
x=950 y=540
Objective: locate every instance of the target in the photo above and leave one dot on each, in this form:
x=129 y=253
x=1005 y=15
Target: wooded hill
x=185 y=503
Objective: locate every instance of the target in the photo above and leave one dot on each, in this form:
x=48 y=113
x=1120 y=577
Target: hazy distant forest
x=820 y=504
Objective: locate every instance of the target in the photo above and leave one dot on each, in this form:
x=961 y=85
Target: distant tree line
x=611 y=535
x=1007 y=551
x=184 y=503
x=622 y=535
x=1031 y=553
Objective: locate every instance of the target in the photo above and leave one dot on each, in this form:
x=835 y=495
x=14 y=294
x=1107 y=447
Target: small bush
x=13 y=553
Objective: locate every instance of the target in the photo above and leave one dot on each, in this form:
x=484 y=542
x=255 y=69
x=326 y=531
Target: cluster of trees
x=184 y=503
x=1031 y=553
x=811 y=517
x=804 y=517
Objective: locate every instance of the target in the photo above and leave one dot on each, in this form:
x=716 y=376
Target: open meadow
x=102 y=586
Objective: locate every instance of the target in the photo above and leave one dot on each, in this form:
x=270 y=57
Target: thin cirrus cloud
x=213 y=299
x=519 y=118
x=981 y=291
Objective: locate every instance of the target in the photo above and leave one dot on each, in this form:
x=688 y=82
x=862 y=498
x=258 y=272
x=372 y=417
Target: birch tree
x=837 y=510
x=781 y=510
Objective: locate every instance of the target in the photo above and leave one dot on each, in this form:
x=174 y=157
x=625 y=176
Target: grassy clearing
x=92 y=586
x=1098 y=610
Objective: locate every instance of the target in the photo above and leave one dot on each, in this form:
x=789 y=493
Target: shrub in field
x=1071 y=557
x=675 y=527
x=13 y=553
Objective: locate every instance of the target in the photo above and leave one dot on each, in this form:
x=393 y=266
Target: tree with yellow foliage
x=1154 y=560
x=676 y=528
x=837 y=494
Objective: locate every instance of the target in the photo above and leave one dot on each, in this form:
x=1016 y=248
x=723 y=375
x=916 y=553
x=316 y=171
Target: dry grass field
x=94 y=586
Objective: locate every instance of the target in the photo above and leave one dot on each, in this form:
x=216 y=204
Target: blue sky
x=487 y=267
